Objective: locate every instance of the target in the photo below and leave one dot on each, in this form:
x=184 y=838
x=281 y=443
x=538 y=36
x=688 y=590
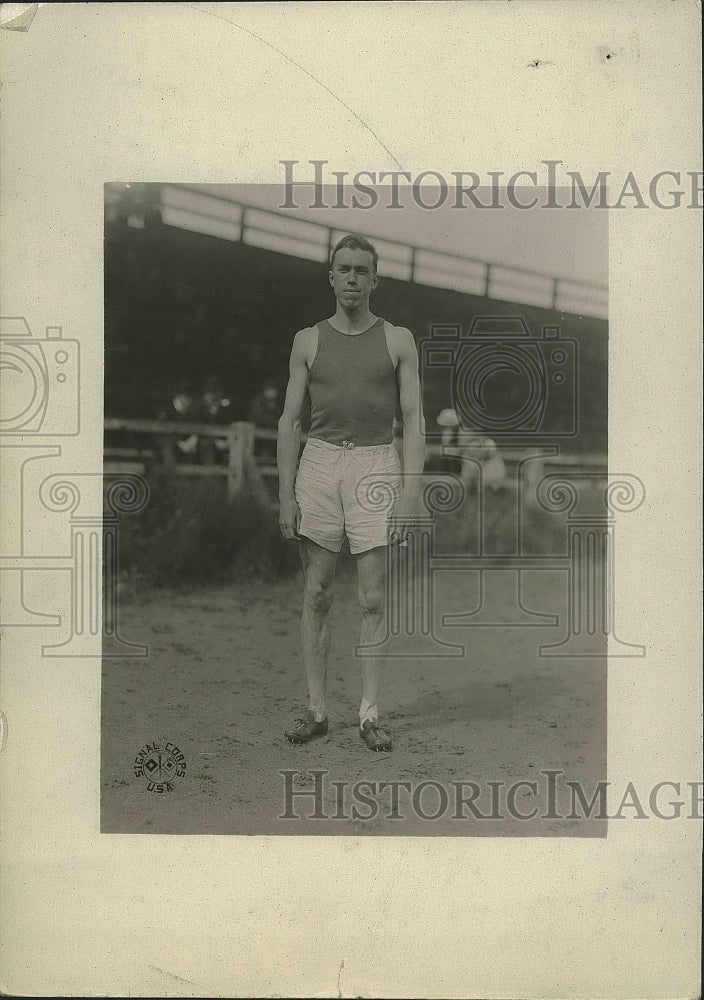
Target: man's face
x=353 y=277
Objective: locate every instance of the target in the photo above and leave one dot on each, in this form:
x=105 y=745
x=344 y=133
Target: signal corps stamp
x=160 y=765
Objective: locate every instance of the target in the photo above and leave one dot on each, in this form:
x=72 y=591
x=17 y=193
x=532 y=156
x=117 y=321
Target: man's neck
x=352 y=321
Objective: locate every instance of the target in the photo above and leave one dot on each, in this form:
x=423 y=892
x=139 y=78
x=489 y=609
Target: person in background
x=449 y=421
x=265 y=408
x=181 y=408
x=480 y=454
x=470 y=453
x=264 y=412
x=215 y=408
x=493 y=467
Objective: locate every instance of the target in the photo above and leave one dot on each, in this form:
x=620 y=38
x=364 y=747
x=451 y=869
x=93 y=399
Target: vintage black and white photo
x=426 y=572
x=350 y=488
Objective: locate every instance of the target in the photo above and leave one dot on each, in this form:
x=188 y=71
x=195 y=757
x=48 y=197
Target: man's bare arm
x=406 y=508
x=411 y=412
x=289 y=435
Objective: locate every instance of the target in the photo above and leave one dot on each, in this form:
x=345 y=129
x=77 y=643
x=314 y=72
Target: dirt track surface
x=224 y=678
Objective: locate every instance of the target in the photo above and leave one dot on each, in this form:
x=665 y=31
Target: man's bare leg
x=319 y=575
x=371 y=592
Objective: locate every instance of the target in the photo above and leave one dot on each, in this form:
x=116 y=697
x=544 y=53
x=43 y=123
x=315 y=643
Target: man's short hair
x=353 y=242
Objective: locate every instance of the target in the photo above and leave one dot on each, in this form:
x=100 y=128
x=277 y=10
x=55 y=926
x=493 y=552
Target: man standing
x=357 y=369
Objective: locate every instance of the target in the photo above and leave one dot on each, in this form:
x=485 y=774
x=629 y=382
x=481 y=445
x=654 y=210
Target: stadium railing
x=149 y=446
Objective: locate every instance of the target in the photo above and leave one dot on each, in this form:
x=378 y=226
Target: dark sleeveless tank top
x=352 y=386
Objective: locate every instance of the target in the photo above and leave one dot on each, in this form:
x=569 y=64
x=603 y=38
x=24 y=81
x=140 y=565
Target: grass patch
x=504 y=529
x=189 y=535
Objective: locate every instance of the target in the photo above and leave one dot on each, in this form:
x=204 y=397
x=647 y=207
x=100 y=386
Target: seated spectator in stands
x=215 y=405
x=182 y=405
x=481 y=454
x=264 y=412
x=214 y=408
x=265 y=408
x=493 y=467
x=182 y=408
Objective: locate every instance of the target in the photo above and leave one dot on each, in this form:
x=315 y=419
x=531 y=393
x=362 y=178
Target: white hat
x=447 y=418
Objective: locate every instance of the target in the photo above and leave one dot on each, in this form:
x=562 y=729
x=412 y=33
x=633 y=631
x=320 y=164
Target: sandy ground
x=224 y=677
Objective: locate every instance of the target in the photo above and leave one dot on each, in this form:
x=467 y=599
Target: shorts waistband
x=348 y=445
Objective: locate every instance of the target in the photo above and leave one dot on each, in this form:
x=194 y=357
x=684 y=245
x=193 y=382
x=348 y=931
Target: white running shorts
x=347 y=490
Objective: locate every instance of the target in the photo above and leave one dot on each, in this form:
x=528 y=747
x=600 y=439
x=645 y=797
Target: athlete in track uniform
x=357 y=368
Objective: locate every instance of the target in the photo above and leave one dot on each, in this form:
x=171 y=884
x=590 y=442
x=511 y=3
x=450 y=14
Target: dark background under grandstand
x=181 y=304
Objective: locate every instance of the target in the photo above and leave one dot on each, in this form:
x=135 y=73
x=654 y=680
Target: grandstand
x=197 y=284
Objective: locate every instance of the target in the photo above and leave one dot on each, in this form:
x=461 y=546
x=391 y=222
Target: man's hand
x=402 y=519
x=289 y=518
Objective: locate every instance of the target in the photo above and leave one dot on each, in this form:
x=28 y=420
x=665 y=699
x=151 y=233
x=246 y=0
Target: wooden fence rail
x=248 y=453
x=152 y=445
